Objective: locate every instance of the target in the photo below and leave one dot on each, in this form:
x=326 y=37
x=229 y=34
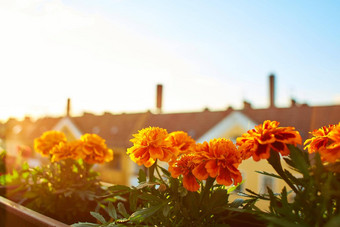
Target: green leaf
x=295 y=180
x=144 y=213
x=191 y=200
x=84 y=224
x=318 y=163
x=182 y=191
x=284 y=197
x=174 y=183
x=122 y=210
x=279 y=221
x=133 y=200
x=69 y=193
x=234 y=187
x=269 y=174
x=237 y=203
x=219 y=197
x=25 y=175
x=141 y=176
x=15 y=174
x=25 y=166
x=166 y=172
x=119 y=188
x=30 y=195
x=2 y=180
x=111 y=210
x=252 y=192
x=98 y=216
x=333 y=222
x=150 y=197
x=122 y=220
x=146 y=184
x=300 y=160
x=166 y=210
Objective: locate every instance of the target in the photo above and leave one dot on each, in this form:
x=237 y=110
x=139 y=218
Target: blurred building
x=117 y=130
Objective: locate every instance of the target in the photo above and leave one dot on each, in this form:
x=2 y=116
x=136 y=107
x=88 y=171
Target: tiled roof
x=194 y=123
x=304 y=118
x=117 y=129
x=26 y=130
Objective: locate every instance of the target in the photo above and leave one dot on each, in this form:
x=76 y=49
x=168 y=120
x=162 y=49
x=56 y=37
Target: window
x=116 y=164
x=265 y=183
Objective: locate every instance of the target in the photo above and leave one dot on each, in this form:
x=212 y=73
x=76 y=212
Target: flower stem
x=160 y=177
x=206 y=189
x=151 y=172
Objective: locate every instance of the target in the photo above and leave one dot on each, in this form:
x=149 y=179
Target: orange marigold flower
x=258 y=142
x=47 y=141
x=72 y=150
x=182 y=142
x=150 y=144
x=218 y=159
x=326 y=141
x=95 y=149
x=184 y=166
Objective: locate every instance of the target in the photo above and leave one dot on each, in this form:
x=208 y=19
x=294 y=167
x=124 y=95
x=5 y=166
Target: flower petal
x=190 y=183
x=200 y=172
x=212 y=168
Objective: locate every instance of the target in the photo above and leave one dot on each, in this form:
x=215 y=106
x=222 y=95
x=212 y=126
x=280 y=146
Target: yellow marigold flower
x=47 y=141
x=150 y=144
x=95 y=150
x=326 y=141
x=258 y=142
x=63 y=150
x=218 y=159
x=184 y=166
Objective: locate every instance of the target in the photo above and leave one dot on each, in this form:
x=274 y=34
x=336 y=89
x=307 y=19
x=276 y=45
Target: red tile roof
x=117 y=129
x=304 y=118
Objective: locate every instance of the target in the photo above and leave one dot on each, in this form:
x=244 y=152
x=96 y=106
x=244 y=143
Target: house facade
x=117 y=130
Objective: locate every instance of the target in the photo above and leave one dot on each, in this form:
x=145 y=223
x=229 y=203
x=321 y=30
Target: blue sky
x=108 y=55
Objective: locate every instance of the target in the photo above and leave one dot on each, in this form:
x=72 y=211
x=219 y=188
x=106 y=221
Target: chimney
x=292 y=102
x=272 y=91
x=159 y=98
x=246 y=105
x=68 y=108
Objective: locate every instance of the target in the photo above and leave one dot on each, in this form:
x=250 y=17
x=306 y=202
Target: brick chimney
x=292 y=102
x=271 y=91
x=159 y=98
x=246 y=105
x=68 y=108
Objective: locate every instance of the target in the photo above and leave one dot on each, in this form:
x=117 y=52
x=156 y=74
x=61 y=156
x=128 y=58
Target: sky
x=109 y=55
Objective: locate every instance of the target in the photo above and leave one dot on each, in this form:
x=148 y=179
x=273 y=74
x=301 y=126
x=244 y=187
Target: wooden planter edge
x=16 y=212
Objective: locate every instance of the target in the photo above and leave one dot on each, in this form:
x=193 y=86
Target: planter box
x=13 y=215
